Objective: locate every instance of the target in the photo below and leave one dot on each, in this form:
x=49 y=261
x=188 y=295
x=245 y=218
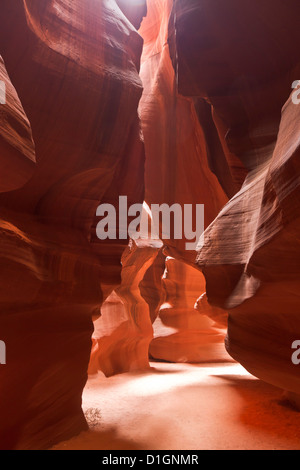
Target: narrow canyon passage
x=149 y=224
x=182 y=407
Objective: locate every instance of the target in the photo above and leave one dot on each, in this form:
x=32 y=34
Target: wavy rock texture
x=177 y=168
x=17 y=151
x=182 y=333
x=261 y=291
x=124 y=331
x=239 y=58
x=180 y=141
x=217 y=124
x=75 y=67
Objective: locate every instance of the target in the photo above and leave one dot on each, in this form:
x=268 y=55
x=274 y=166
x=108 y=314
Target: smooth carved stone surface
x=108 y=334
x=17 y=152
x=124 y=330
x=181 y=144
x=182 y=333
x=238 y=56
x=74 y=65
x=262 y=295
x=177 y=153
x=216 y=75
x=228 y=53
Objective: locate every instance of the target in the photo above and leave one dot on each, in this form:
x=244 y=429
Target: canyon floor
x=186 y=407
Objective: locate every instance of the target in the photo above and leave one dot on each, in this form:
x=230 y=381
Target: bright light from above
x=137 y=3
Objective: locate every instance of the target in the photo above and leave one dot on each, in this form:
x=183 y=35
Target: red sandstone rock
x=124 y=330
x=178 y=159
x=228 y=53
x=181 y=141
x=74 y=65
x=261 y=274
x=177 y=168
x=182 y=333
x=238 y=57
x=215 y=76
x=17 y=153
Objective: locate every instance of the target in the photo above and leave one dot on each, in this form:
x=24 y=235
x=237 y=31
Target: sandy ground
x=186 y=407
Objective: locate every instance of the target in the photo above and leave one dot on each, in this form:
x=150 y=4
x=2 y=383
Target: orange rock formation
x=201 y=114
x=75 y=66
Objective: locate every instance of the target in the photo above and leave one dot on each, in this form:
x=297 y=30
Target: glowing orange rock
x=182 y=333
x=226 y=53
x=177 y=155
x=124 y=330
x=75 y=66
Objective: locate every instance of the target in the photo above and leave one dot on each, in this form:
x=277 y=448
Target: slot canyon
x=145 y=342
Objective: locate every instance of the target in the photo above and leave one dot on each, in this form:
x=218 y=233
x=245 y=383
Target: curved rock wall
x=75 y=67
x=17 y=154
x=218 y=124
x=240 y=58
x=177 y=168
x=180 y=141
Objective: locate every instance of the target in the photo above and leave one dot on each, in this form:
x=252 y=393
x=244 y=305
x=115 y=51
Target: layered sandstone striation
x=180 y=142
x=218 y=124
x=260 y=268
x=124 y=331
x=17 y=150
x=74 y=66
x=240 y=59
x=177 y=151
